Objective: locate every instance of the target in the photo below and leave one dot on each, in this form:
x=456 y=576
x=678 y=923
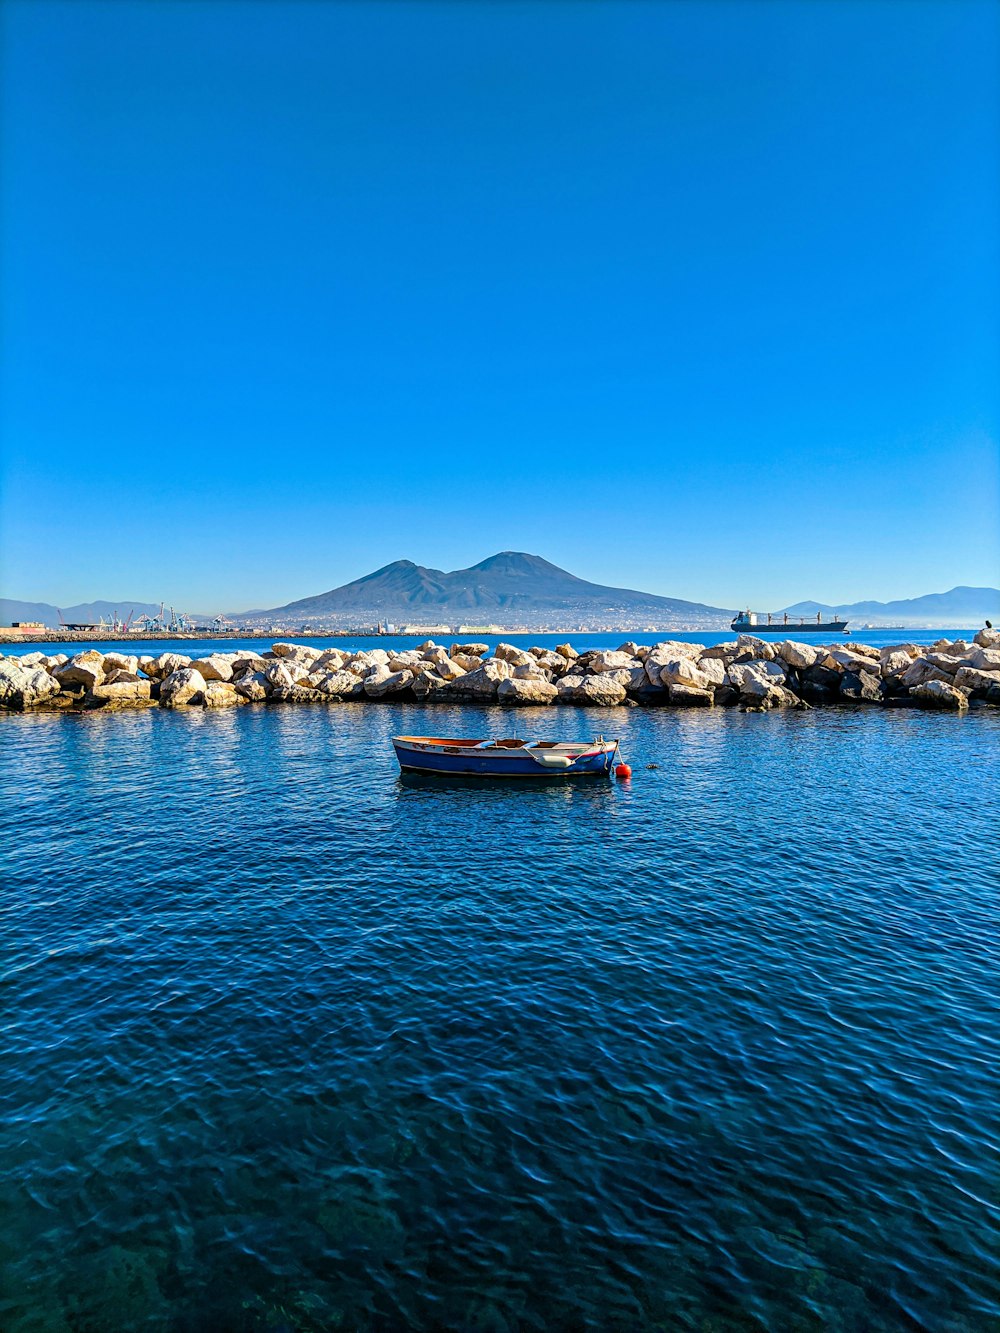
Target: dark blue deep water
x=290 y=1045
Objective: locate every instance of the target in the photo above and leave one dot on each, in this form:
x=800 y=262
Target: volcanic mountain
x=510 y=582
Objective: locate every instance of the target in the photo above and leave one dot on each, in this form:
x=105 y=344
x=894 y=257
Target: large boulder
x=507 y=652
x=980 y=684
x=860 y=687
x=449 y=669
x=687 y=673
x=279 y=675
x=253 y=686
x=939 y=694
x=159 y=668
x=469 y=649
x=481 y=684
x=25 y=687
x=121 y=662
x=847 y=659
x=330 y=659
x=84 y=670
x=946 y=662
x=184 y=686
x=720 y=650
x=428 y=683
x=685 y=696
x=222 y=694
x=895 y=663
x=361 y=663
x=525 y=691
x=600 y=690
x=382 y=681
x=798 y=655
x=216 y=667
x=985 y=659
x=748 y=676
x=245 y=662
x=988 y=638
x=120 y=693
x=820 y=684
x=567 y=651
x=758 y=649
x=601 y=662
x=922 y=672
x=341 y=685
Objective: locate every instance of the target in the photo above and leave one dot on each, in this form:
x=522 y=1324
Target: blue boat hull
x=489 y=766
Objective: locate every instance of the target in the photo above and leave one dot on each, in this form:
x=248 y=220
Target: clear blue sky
x=700 y=298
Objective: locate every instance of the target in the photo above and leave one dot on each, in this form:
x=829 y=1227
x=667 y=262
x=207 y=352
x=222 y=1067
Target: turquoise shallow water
x=288 y=1044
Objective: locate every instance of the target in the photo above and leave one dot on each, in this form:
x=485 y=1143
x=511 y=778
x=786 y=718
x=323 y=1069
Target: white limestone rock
x=469 y=650
x=945 y=661
x=382 y=681
x=798 y=655
x=522 y=690
x=724 y=651
x=567 y=651
x=760 y=649
x=222 y=694
x=846 y=659
x=86 y=669
x=601 y=690
x=662 y=654
x=684 y=672
x=279 y=676
x=988 y=638
x=427 y=683
x=121 y=662
x=341 y=685
x=24 y=687
x=121 y=692
x=985 y=659
x=922 y=672
x=601 y=662
x=184 y=686
x=939 y=694
x=481 y=684
x=973 y=681
x=253 y=686
x=507 y=652
x=158 y=668
x=895 y=663
x=215 y=667
x=754 y=677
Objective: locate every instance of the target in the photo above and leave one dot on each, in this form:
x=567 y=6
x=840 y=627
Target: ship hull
x=792 y=627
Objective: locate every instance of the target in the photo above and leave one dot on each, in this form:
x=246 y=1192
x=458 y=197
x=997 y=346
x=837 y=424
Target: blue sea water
x=290 y=1044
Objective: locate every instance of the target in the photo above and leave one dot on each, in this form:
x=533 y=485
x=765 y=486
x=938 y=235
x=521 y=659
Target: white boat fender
x=549 y=760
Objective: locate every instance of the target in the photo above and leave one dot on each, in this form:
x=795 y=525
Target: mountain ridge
x=517 y=587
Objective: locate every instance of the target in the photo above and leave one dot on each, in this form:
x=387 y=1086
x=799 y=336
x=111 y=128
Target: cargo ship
x=764 y=622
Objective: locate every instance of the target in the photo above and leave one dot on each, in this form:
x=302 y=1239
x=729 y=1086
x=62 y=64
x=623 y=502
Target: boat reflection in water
x=509 y=758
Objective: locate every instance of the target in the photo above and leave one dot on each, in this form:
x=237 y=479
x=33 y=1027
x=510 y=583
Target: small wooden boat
x=504 y=758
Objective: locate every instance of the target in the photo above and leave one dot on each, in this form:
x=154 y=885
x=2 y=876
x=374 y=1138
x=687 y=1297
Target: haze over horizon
x=704 y=308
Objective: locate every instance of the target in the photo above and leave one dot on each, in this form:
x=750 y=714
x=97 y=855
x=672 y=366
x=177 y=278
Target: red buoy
x=623 y=771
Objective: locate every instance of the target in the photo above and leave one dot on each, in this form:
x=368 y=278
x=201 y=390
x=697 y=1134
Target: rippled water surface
x=290 y=1044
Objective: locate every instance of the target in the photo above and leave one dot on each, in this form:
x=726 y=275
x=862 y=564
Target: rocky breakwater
x=746 y=673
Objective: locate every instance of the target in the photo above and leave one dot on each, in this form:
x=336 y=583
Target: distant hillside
x=512 y=585
x=960 y=606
